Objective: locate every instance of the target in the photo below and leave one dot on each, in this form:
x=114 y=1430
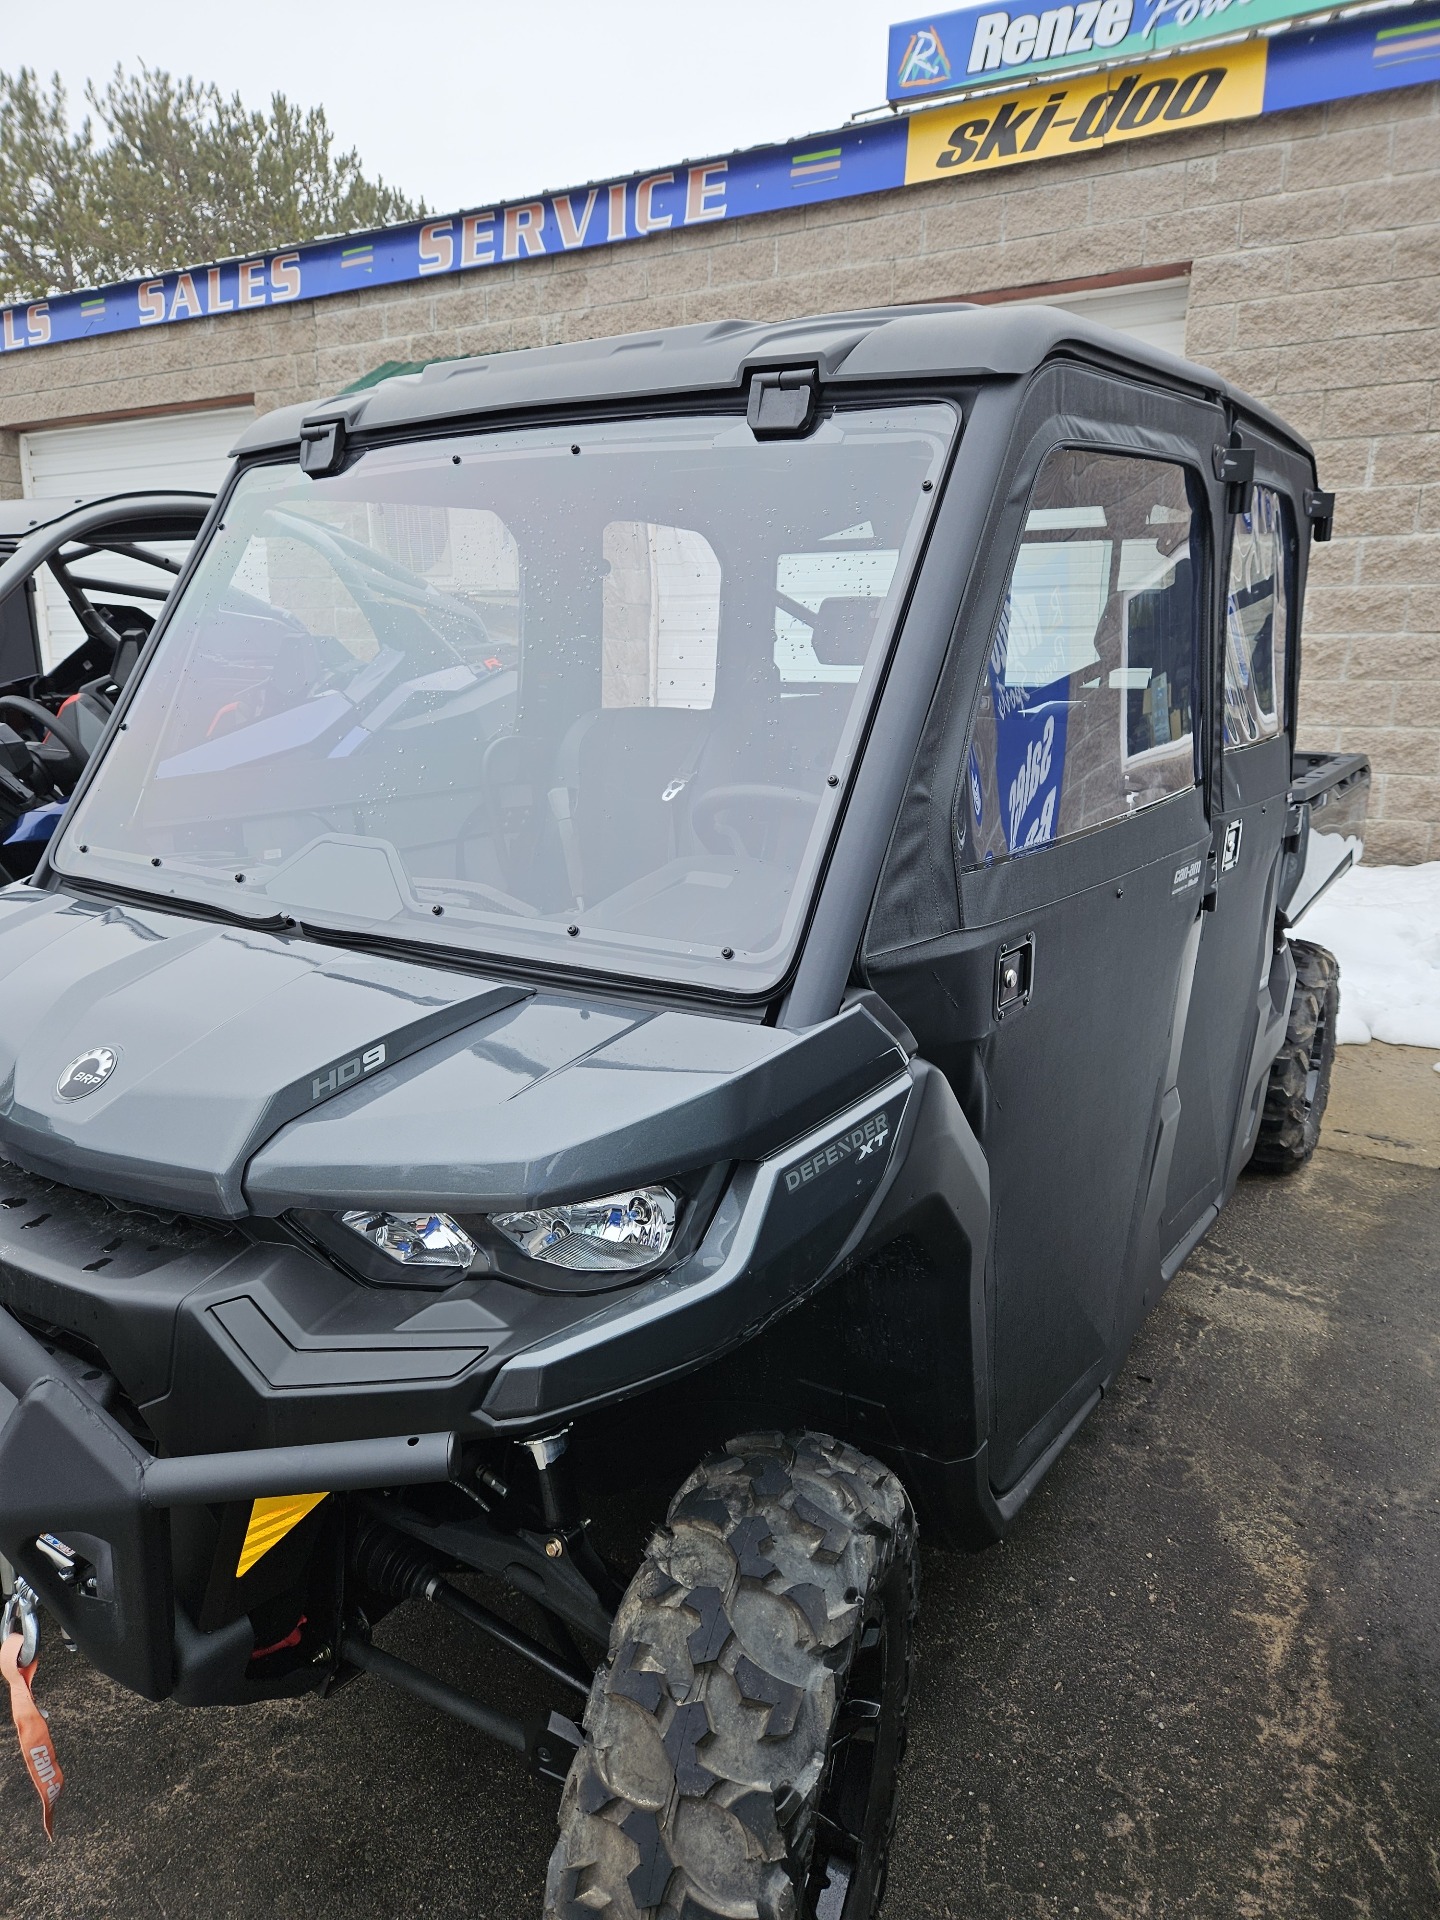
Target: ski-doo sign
x=979 y=45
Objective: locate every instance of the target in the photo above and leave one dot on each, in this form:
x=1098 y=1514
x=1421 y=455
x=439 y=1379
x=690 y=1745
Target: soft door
x=1080 y=833
x=1231 y=1006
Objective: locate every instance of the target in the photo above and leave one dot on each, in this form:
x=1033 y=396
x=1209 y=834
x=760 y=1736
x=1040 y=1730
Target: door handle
x=1014 y=976
x=1224 y=855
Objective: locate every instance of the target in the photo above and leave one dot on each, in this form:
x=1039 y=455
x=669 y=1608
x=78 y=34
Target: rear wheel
x=1300 y=1078
x=744 y=1738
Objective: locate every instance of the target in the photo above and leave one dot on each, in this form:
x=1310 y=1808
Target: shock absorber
x=388 y=1563
x=567 y=1529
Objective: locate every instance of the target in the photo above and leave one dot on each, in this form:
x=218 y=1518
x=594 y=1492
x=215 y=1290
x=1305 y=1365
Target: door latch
x=1014 y=976
x=1230 y=855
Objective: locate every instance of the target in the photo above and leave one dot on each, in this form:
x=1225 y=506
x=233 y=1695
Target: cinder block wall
x=1314 y=244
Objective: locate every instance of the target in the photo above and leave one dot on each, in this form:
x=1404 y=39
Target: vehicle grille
x=27 y=1201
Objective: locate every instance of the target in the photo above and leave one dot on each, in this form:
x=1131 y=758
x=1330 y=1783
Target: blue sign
x=1369 y=55
x=1030 y=726
x=832 y=166
x=983 y=44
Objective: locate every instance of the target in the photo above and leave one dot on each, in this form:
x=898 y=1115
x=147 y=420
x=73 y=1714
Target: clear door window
x=1256 y=623
x=1087 y=712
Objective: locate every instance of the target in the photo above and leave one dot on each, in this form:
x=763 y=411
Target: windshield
x=582 y=695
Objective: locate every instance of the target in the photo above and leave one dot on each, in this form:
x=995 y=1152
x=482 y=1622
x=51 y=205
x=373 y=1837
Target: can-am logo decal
x=85 y=1074
x=858 y=1144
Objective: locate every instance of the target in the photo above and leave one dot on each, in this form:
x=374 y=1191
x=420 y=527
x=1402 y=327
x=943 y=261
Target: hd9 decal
x=1041 y=122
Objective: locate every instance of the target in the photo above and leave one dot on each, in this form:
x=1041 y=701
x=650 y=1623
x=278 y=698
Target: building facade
x=1297 y=252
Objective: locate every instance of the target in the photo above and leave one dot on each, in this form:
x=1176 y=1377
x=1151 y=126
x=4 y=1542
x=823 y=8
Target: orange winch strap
x=36 y=1748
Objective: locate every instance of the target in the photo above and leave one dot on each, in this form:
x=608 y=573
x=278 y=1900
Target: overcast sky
x=464 y=104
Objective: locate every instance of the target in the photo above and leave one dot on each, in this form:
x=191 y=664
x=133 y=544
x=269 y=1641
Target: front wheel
x=743 y=1740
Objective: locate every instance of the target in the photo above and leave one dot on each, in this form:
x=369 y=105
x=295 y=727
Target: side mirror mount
x=1320 y=512
x=1235 y=466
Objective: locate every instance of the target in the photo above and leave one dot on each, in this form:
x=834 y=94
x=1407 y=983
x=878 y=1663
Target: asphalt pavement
x=1202 y=1678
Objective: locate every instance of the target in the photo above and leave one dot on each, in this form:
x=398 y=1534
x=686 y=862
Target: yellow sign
x=270 y=1521
x=1040 y=123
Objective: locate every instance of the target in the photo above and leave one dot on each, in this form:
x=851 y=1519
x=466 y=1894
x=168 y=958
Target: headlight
x=614 y=1235
x=415 y=1239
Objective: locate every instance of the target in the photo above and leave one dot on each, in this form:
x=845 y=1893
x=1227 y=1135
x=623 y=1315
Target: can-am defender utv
x=729 y=882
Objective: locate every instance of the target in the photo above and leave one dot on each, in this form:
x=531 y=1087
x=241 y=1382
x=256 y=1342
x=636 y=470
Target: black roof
x=20 y=518
x=942 y=341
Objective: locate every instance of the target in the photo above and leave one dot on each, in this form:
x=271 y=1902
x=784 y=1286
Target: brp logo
x=84 y=1075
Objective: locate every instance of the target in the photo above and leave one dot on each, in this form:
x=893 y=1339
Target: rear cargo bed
x=1329 y=793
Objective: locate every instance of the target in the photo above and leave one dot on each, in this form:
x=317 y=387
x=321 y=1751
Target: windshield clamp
x=322 y=446
x=782 y=402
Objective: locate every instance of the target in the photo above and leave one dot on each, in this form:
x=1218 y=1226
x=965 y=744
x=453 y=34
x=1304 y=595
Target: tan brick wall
x=1315 y=243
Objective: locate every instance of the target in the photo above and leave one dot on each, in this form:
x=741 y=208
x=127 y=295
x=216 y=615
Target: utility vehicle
x=718 y=896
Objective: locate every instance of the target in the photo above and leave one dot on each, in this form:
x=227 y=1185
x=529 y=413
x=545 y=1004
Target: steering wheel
x=55 y=750
x=707 y=809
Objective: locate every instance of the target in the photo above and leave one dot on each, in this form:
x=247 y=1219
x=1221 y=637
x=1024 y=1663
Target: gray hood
x=245 y=1072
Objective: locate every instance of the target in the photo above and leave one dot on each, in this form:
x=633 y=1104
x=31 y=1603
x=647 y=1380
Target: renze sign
x=976 y=46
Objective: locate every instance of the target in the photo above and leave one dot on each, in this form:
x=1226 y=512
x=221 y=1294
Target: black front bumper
x=70 y=1470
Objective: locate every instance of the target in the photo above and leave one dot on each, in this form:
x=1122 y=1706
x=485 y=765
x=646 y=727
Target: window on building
x=1256 y=623
x=1087 y=712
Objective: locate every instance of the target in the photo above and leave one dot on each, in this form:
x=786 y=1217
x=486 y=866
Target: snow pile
x=1383 y=926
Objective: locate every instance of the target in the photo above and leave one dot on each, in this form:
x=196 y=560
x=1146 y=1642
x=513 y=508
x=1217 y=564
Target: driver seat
x=619 y=774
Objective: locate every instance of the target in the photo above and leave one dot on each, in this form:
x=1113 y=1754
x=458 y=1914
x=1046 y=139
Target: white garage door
x=185 y=450
x=1153 y=310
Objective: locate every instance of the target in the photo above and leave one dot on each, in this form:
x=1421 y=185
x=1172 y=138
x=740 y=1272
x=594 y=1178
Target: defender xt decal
x=858 y=1143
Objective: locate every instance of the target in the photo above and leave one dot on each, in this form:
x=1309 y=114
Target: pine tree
x=174 y=175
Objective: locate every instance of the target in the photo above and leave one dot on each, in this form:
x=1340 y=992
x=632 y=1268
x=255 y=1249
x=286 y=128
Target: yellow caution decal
x=270 y=1521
